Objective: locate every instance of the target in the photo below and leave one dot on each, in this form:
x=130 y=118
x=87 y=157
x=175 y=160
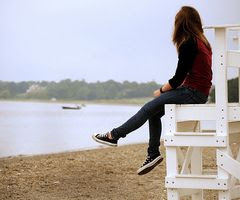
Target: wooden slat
x=195 y=134
x=197 y=182
x=227 y=163
x=230 y=26
x=195 y=141
x=187 y=112
x=196 y=176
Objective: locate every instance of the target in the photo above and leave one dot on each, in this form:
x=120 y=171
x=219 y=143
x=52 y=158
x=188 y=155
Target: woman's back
x=200 y=76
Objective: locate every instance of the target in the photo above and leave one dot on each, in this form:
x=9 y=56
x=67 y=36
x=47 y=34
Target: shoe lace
x=103 y=135
x=148 y=159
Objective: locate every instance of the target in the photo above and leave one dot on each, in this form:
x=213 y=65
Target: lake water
x=38 y=128
x=28 y=128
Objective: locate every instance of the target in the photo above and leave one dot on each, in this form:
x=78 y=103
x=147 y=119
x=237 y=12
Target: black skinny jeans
x=154 y=110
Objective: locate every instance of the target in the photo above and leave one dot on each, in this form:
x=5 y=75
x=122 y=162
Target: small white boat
x=77 y=107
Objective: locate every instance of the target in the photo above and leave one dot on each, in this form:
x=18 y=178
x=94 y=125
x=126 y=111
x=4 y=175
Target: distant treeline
x=76 y=90
x=82 y=90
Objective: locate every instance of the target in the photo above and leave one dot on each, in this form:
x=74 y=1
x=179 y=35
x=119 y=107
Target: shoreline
x=100 y=146
x=134 y=101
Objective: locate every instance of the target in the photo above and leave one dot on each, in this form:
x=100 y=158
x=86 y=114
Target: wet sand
x=105 y=173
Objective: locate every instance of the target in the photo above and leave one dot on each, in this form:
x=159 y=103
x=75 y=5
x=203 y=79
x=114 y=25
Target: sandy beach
x=105 y=173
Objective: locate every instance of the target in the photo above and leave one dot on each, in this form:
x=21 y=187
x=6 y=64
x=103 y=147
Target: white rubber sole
x=103 y=142
x=147 y=168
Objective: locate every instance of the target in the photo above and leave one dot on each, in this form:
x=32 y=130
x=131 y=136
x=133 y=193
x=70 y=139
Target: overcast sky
x=96 y=39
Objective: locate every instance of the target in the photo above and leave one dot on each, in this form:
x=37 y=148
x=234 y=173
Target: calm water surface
x=39 y=128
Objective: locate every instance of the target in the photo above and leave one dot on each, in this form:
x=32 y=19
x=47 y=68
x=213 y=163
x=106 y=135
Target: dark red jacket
x=194 y=66
x=200 y=76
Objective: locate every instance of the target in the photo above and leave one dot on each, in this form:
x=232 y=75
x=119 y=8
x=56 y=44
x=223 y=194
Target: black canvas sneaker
x=149 y=164
x=103 y=139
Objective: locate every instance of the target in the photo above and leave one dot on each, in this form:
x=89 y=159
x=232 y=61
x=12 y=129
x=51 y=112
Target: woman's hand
x=156 y=93
x=166 y=87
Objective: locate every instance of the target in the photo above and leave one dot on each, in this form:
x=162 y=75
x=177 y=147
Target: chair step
x=195 y=134
x=196 y=176
x=191 y=181
x=195 y=139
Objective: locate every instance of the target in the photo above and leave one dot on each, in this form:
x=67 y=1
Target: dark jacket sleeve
x=186 y=56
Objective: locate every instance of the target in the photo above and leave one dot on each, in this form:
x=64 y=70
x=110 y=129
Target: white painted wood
x=171 y=152
x=222 y=26
x=196 y=161
x=221 y=83
x=233 y=180
x=196 y=168
x=239 y=68
x=181 y=159
x=228 y=164
x=221 y=94
x=203 y=105
x=233 y=58
x=171 y=161
x=238 y=35
x=184 y=113
x=205 y=112
x=236 y=28
x=185 y=165
x=194 y=126
x=238 y=40
x=195 y=141
x=194 y=134
x=180 y=155
x=196 y=176
x=197 y=182
x=239 y=80
x=170 y=119
x=234 y=114
x=183 y=129
x=172 y=169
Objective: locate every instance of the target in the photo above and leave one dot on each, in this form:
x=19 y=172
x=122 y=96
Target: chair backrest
x=223 y=59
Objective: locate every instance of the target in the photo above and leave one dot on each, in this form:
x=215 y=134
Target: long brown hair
x=188 y=25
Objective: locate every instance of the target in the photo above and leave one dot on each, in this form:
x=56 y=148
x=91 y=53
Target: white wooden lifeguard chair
x=185 y=139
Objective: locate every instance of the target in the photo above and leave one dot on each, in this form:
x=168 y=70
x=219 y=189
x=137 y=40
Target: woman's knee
x=146 y=109
x=151 y=110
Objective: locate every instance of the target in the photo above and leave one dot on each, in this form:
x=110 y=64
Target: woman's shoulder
x=191 y=41
x=190 y=44
x=202 y=47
